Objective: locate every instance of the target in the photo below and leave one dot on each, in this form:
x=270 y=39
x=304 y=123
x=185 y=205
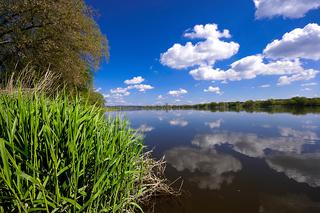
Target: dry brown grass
x=29 y=81
x=156 y=184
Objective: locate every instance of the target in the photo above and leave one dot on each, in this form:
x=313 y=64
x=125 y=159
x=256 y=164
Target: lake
x=236 y=161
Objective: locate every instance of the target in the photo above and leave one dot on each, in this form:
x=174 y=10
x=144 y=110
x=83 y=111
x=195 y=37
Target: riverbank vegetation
x=59 y=155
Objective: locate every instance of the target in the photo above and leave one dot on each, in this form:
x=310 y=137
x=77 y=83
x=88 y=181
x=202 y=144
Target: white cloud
x=299 y=43
x=204 y=52
x=265 y=86
x=135 y=80
x=106 y=95
x=306 y=89
x=116 y=101
x=177 y=93
x=305 y=75
x=117 y=94
x=280 y=57
x=141 y=87
x=213 y=90
x=285 y=8
x=211 y=74
x=160 y=97
x=125 y=91
x=309 y=84
x=252 y=66
x=98 y=89
x=119 y=91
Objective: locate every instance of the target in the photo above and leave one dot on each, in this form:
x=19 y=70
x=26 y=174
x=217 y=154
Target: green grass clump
x=62 y=156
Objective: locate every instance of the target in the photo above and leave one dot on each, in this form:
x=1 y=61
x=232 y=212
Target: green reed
x=62 y=156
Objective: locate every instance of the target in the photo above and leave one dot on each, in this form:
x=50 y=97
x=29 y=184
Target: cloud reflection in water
x=303 y=168
x=287 y=154
x=209 y=169
x=178 y=122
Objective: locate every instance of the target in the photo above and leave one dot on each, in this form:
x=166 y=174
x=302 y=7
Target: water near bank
x=237 y=162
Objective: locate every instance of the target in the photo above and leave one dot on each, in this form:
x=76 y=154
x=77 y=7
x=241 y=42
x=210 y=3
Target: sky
x=197 y=51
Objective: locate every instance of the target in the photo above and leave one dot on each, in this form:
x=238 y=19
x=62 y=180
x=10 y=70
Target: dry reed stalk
x=155 y=182
x=29 y=82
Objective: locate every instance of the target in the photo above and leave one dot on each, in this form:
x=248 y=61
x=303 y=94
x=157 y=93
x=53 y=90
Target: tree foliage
x=61 y=35
x=296 y=105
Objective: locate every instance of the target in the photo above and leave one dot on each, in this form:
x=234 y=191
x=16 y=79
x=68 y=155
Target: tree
x=249 y=104
x=61 y=35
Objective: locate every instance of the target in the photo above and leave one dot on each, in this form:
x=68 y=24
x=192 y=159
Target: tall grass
x=28 y=79
x=62 y=156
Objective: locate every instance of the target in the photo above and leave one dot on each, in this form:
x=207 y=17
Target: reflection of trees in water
x=209 y=169
x=290 y=203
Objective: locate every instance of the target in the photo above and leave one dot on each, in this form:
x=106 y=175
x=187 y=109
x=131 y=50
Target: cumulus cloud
x=140 y=87
x=265 y=85
x=213 y=90
x=106 y=95
x=178 y=122
x=306 y=89
x=281 y=57
x=119 y=91
x=299 y=43
x=255 y=65
x=285 y=8
x=205 y=52
x=134 y=80
x=116 y=100
x=117 y=95
x=177 y=93
x=98 y=89
x=305 y=75
x=309 y=84
x=160 y=97
x=209 y=169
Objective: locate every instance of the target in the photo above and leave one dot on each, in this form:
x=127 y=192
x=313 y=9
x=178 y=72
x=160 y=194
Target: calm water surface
x=237 y=162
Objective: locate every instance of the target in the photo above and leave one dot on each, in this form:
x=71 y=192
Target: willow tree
x=61 y=35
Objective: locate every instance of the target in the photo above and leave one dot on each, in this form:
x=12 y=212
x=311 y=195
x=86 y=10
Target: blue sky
x=231 y=52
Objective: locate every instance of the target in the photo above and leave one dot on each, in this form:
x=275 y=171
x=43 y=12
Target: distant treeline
x=296 y=105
